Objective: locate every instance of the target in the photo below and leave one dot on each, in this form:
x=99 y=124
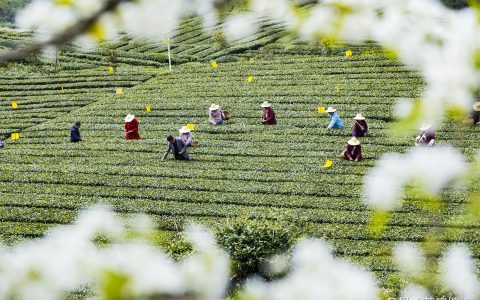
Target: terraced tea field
x=240 y=168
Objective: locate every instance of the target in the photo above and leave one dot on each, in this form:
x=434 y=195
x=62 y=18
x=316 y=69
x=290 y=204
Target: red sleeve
x=348 y=152
x=134 y=125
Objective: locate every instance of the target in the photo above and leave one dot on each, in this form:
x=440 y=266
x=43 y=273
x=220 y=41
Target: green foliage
x=8 y=8
x=250 y=243
x=455 y=4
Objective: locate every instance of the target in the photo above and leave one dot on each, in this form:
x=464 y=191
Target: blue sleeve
x=332 y=122
x=75 y=135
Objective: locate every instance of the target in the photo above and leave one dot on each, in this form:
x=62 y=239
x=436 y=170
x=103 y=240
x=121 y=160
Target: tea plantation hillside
x=242 y=168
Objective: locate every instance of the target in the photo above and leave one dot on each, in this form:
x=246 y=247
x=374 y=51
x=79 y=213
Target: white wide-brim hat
x=213 y=107
x=265 y=104
x=330 y=109
x=353 y=141
x=184 y=129
x=476 y=106
x=129 y=118
x=359 y=117
x=425 y=127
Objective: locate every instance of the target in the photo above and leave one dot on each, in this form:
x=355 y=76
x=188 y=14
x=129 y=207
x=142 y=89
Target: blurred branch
x=62 y=37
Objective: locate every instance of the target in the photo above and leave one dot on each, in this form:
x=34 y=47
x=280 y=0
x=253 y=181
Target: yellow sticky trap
x=328 y=164
x=213 y=64
x=119 y=91
x=321 y=109
x=15 y=136
x=61 y=88
x=166 y=41
x=337 y=88
x=14 y=105
x=148 y=109
x=111 y=69
x=250 y=79
x=348 y=53
x=191 y=126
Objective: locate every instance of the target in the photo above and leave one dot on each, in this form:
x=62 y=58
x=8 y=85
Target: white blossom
x=316 y=274
x=459 y=273
x=207 y=270
x=434 y=168
x=413 y=291
x=240 y=27
x=409 y=258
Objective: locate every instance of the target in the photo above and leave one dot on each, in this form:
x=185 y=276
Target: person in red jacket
x=131 y=128
x=353 y=150
x=268 y=117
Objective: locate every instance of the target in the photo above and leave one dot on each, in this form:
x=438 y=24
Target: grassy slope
x=241 y=168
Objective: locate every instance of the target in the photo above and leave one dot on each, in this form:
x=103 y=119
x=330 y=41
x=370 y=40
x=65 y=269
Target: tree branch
x=62 y=37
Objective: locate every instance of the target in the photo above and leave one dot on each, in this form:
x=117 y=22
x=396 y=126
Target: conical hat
x=476 y=106
x=213 y=107
x=184 y=129
x=265 y=104
x=359 y=117
x=425 y=126
x=129 y=118
x=353 y=141
x=330 y=109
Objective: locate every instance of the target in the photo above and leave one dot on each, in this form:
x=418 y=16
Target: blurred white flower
x=147 y=271
x=409 y=258
x=152 y=19
x=241 y=26
x=278 y=264
x=316 y=274
x=98 y=220
x=414 y=291
x=403 y=108
x=458 y=272
x=207 y=270
x=434 y=168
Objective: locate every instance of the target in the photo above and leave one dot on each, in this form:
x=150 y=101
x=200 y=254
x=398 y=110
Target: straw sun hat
x=359 y=117
x=213 y=107
x=476 y=106
x=184 y=129
x=425 y=127
x=330 y=109
x=265 y=104
x=353 y=141
x=129 y=118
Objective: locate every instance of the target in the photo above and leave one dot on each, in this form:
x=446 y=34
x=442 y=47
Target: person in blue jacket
x=75 y=132
x=2 y=143
x=335 y=122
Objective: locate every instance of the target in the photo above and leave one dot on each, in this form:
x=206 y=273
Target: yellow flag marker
x=191 y=126
x=328 y=164
x=213 y=64
x=348 y=53
x=119 y=91
x=321 y=109
x=250 y=79
x=111 y=69
x=148 y=109
x=15 y=136
x=14 y=105
x=337 y=88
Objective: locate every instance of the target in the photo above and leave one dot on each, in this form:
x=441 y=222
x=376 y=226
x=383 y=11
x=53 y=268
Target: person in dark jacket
x=75 y=132
x=2 y=143
x=360 y=127
x=426 y=137
x=476 y=113
x=268 y=117
x=178 y=148
x=131 y=128
x=353 y=150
